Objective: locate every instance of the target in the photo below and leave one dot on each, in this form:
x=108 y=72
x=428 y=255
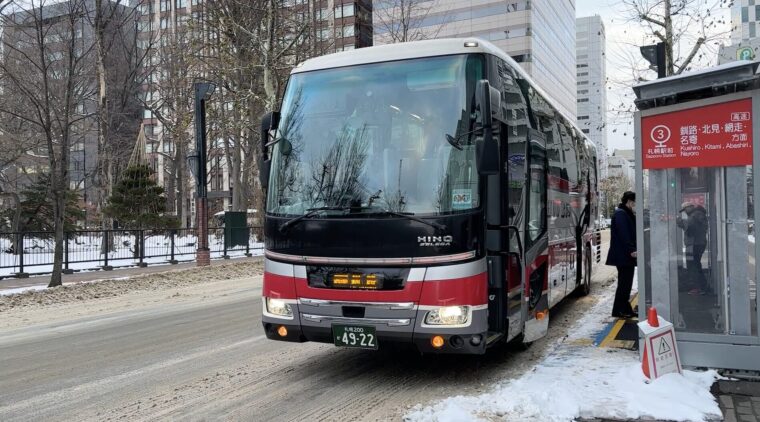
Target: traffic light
x=655 y=55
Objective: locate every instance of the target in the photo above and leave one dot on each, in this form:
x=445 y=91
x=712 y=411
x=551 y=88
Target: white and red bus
x=426 y=193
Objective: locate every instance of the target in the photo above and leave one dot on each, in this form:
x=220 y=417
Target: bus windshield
x=374 y=137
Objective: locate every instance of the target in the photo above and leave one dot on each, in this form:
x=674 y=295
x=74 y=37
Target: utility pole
x=198 y=165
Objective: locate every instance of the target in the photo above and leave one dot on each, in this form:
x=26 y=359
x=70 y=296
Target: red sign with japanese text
x=710 y=136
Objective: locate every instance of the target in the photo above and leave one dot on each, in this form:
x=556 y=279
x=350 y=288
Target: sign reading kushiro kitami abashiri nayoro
x=714 y=135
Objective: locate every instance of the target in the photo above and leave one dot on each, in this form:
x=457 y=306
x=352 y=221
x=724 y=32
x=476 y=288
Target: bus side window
x=569 y=145
x=515 y=135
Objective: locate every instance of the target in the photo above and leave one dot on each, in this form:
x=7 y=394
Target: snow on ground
x=99 y=289
x=577 y=380
x=17 y=290
x=38 y=287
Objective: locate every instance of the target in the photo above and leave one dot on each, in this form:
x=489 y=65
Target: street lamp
x=197 y=162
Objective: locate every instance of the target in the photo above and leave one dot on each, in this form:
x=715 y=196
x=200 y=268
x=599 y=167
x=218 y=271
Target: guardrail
x=27 y=253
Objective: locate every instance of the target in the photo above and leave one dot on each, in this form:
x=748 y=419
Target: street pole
x=203 y=91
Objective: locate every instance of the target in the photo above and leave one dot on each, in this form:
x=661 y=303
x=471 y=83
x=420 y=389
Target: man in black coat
x=622 y=253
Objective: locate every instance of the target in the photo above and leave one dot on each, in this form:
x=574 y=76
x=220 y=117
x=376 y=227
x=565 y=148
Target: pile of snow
x=579 y=381
x=18 y=290
x=40 y=296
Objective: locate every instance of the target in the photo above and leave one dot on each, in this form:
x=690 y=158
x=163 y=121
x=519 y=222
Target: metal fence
x=26 y=253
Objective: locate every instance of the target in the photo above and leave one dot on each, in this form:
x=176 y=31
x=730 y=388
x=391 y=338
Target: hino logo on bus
x=435 y=240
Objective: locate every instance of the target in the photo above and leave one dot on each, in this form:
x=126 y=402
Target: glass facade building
x=538 y=34
x=591 y=79
x=745 y=20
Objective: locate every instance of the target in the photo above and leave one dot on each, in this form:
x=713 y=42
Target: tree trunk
x=238 y=194
x=180 y=183
x=15 y=221
x=171 y=180
x=59 y=208
x=104 y=166
x=669 y=61
x=270 y=73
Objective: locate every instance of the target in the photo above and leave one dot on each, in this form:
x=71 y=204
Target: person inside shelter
x=693 y=221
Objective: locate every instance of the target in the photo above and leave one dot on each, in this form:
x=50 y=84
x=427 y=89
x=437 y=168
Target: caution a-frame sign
x=660 y=349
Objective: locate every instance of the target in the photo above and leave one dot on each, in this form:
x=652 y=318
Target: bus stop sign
x=714 y=135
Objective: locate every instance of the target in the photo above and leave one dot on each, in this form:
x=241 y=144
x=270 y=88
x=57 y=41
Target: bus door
x=535 y=306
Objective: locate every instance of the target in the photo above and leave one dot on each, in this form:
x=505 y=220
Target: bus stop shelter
x=695 y=211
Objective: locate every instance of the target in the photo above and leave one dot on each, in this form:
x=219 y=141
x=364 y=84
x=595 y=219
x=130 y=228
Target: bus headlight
x=279 y=307
x=448 y=315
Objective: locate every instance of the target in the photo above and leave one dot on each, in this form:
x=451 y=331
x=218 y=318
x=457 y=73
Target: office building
x=591 y=79
x=745 y=20
x=539 y=34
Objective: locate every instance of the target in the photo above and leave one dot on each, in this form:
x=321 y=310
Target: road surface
x=200 y=354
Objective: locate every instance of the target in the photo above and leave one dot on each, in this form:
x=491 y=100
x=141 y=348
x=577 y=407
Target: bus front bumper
x=394 y=327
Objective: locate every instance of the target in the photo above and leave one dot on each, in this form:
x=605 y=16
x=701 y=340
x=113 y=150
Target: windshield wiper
x=410 y=216
x=311 y=212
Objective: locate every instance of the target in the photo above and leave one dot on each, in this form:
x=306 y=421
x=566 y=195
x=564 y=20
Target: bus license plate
x=359 y=336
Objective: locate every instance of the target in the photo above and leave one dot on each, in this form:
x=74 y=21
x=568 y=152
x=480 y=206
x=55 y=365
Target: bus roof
x=426 y=48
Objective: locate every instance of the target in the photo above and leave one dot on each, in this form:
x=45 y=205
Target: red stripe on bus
x=471 y=290
x=278 y=286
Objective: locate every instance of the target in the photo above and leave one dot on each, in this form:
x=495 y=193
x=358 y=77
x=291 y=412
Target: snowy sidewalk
x=19 y=285
x=579 y=381
x=739 y=400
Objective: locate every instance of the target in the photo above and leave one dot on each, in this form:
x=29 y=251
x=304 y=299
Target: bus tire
x=584 y=289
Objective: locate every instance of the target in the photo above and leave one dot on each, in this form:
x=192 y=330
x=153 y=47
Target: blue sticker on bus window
x=461 y=199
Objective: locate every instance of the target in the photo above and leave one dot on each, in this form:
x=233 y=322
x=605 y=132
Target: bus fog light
x=437 y=342
x=279 y=307
x=448 y=315
x=282 y=331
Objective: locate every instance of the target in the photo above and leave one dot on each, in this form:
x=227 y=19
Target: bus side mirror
x=269 y=122
x=487 y=151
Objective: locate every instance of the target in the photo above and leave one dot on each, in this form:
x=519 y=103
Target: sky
x=623 y=39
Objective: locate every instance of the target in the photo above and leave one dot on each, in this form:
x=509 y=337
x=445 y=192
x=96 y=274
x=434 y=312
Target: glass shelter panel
x=700 y=250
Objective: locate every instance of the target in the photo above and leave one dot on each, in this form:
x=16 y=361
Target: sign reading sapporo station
x=709 y=136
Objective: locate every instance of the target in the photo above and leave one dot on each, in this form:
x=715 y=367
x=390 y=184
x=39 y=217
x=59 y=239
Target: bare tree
x=169 y=72
x=254 y=46
x=691 y=30
x=12 y=149
x=613 y=188
x=117 y=60
x=45 y=69
x=684 y=26
x=403 y=20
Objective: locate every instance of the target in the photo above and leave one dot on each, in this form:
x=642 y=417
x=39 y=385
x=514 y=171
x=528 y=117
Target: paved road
x=206 y=359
